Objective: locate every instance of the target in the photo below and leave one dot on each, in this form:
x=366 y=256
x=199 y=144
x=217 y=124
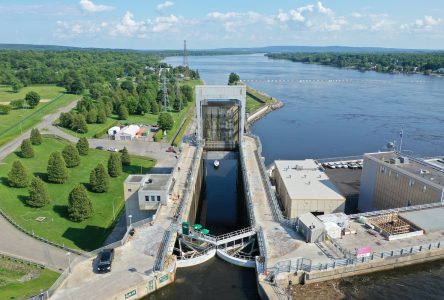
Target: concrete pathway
x=17 y=243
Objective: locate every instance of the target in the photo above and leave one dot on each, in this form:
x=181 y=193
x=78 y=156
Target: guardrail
x=21 y=260
x=302 y=264
x=396 y=210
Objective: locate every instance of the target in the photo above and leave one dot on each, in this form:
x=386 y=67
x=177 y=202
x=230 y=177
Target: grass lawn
x=18 y=120
x=16 y=282
x=93 y=129
x=45 y=91
x=87 y=235
x=252 y=100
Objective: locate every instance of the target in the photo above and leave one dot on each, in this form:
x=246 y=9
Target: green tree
x=79 y=205
x=18 y=103
x=32 y=99
x=114 y=165
x=71 y=156
x=18 y=177
x=76 y=87
x=16 y=86
x=99 y=179
x=127 y=85
x=38 y=193
x=125 y=157
x=5 y=109
x=82 y=146
x=101 y=116
x=187 y=92
x=155 y=107
x=57 y=171
x=79 y=124
x=91 y=116
x=123 y=112
x=233 y=78
x=26 y=149
x=165 y=121
x=36 y=138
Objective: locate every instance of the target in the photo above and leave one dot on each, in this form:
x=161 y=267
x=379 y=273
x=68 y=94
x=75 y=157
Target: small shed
x=333 y=230
x=113 y=131
x=127 y=133
x=311 y=228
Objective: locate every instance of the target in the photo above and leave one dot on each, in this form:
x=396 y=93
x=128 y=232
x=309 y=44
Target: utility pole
x=164 y=92
x=185 y=58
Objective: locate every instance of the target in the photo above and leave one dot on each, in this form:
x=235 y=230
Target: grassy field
x=20 y=281
x=19 y=120
x=45 y=91
x=87 y=235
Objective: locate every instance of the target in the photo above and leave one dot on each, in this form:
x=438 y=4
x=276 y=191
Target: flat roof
x=430 y=220
x=155 y=181
x=134 y=178
x=309 y=219
x=305 y=180
x=428 y=170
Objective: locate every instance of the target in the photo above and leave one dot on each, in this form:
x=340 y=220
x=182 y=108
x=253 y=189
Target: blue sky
x=150 y=24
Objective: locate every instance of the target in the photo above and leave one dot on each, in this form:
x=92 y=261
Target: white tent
x=113 y=131
x=128 y=132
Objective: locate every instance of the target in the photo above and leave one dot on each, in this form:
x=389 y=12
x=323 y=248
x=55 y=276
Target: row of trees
x=425 y=62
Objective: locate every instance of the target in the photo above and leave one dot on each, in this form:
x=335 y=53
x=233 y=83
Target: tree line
x=425 y=63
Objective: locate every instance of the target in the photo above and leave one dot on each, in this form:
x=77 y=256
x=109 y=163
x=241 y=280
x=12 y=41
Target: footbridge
x=237 y=247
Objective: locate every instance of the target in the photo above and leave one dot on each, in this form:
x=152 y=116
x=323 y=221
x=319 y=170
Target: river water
x=332 y=112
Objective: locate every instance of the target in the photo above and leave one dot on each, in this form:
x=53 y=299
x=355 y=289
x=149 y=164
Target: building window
x=411 y=183
x=147 y=198
x=153 y=198
x=130 y=190
x=158 y=198
x=424 y=189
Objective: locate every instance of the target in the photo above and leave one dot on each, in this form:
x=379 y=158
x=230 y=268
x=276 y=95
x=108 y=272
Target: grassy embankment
x=19 y=120
x=19 y=280
x=96 y=130
x=256 y=100
x=87 y=235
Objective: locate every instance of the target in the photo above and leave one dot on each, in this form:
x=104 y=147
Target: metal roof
x=309 y=219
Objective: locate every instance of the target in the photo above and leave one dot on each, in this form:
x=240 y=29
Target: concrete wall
x=367 y=187
x=374 y=266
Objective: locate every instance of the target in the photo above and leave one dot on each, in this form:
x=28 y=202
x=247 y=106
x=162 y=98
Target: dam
x=187 y=218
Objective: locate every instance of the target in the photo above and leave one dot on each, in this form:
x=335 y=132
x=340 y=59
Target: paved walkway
x=17 y=243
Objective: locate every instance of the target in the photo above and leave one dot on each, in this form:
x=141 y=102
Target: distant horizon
x=164 y=24
x=228 y=48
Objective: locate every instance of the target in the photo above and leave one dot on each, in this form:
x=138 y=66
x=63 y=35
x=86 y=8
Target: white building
x=304 y=187
x=113 y=131
x=149 y=191
x=127 y=133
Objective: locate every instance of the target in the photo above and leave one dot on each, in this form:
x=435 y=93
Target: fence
x=167 y=238
x=21 y=260
x=302 y=264
x=396 y=210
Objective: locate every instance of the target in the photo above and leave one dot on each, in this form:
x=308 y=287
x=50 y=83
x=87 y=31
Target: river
x=323 y=117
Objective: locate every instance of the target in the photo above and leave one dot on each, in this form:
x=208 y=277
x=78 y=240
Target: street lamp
x=69 y=261
x=130 y=217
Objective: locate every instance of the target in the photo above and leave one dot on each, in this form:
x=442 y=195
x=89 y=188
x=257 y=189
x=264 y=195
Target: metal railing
x=198 y=254
x=303 y=264
x=396 y=210
x=221 y=238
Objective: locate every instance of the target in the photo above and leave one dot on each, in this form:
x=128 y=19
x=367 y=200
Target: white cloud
x=67 y=30
x=164 y=5
x=162 y=24
x=356 y=15
x=91 y=7
x=128 y=26
x=322 y=9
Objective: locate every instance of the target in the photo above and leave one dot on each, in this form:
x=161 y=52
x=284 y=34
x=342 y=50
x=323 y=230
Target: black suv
x=105 y=260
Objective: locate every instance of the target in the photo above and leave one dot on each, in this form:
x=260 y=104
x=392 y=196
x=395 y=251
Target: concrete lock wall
x=191 y=214
x=374 y=266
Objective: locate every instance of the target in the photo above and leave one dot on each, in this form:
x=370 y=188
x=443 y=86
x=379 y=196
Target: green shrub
x=158 y=135
x=26 y=149
x=18 y=177
x=57 y=171
x=38 y=193
x=79 y=205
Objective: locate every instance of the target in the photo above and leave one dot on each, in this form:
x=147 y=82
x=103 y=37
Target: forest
x=421 y=62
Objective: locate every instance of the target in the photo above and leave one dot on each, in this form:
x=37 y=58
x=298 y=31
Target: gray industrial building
x=390 y=180
x=311 y=228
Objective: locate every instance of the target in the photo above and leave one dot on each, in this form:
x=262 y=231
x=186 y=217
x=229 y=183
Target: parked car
x=112 y=149
x=100 y=147
x=105 y=260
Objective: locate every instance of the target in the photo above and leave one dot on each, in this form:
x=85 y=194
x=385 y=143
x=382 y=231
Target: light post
x=130 y=217
x=69 y=261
